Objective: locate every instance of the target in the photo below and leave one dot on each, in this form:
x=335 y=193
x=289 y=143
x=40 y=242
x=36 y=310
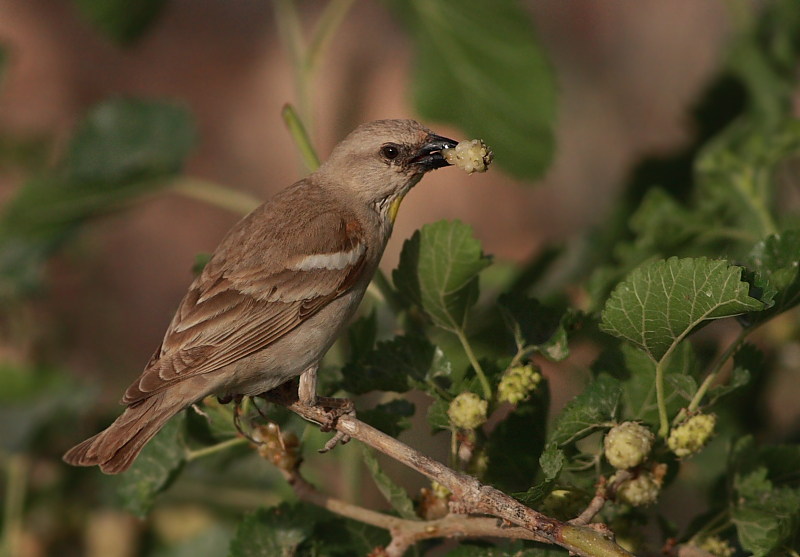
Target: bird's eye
x=390 y=151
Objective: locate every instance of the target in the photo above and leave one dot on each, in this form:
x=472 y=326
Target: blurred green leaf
x=391 y=417
x=303 y=529
x=123 y=140
x=747 y=362
x=480 y=67
x=735 y=175
x=438 y=272
x=122 y=149
x=400 y=364
x=396 y=496
x=121 y=20
x=274 y=531
x=154 y=469
x=590 y=410
x=361 y=336
x=765 y=517
x=522 y=434
x=777 y=260
x=537 y=326
x=660 y=303
x=33 y=398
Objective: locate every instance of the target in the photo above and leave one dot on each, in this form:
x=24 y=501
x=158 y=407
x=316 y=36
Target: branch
x=472 y=495
x=406 y=533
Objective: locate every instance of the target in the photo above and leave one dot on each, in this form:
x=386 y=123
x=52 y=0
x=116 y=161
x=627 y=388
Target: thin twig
x=474 y=496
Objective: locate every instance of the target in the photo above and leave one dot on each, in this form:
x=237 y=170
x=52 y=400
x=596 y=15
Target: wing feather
x=240 y=305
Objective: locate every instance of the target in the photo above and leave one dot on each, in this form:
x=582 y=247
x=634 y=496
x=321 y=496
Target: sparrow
x=280 y=288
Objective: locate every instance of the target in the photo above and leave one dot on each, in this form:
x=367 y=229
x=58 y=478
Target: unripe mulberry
x=518 y=383
x=467 y=411
x=470 y=156
x=627 y=445
x=691 y=435
x=639 y=491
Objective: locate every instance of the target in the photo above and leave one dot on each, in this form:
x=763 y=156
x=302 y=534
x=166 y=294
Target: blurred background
x=627 y=75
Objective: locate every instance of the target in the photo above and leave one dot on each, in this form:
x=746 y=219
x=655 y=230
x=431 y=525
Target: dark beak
x=429 y=157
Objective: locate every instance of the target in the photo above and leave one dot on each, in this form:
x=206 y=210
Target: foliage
x=719 y=247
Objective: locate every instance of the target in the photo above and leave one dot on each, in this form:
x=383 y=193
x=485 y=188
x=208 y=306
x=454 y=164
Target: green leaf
x=130 y=139
x=303 y=529
x=31 y=399
x=394 y=494
x=121 y=20
x=534 y=325
x=639 y=386
x=660 y=303
x=391 y=417
x=522 y=434
x=747 y=361
x=155 y=468
x=122 y=149
x=361 y=336
x=776 y=260
x=470 y=56
x=550 y=463
x=438 y=419
x=589 y=411
x=399 y=365
x=765 y=516
x=735 y=184
x=277 y=531
x=438 y=272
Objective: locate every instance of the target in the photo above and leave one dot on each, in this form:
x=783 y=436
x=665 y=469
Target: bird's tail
x=115 y=448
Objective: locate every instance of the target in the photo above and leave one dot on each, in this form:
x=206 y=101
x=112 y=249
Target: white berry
x=470 y=156
x=627 y=445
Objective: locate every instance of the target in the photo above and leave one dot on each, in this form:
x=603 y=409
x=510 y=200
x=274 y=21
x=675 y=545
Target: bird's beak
x=429 y=157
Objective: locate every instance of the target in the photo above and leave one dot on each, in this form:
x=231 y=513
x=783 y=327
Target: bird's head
x=380 y=161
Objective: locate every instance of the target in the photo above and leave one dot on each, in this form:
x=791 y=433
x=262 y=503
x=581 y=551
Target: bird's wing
x=235 y=309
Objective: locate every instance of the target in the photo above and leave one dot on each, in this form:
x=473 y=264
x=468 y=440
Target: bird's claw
x=334 y=408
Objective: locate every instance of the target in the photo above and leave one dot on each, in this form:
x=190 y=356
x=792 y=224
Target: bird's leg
x=335 y=407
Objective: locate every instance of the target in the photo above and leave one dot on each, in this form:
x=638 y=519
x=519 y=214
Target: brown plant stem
x=470 y=493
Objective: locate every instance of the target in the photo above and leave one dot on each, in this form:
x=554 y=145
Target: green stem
x=591 y=542
x=698 y=396
x=14 y=508
x=329 y=22
x=214 y=194
x=662 y=400
x=291 y=34
x=487 y=389
x=300 y=136
x=219 y=447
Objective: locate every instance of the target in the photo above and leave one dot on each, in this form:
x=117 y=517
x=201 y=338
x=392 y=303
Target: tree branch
x=471 y=494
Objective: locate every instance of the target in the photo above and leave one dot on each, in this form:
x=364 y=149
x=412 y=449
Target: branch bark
x=475 y=497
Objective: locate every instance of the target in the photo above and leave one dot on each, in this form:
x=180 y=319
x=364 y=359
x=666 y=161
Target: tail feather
x=115 y=449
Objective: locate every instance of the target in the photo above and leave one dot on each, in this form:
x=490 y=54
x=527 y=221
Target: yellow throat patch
x=394 y=207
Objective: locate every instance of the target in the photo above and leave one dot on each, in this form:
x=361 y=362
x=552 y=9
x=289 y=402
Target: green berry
x=627 y=445
x=518 y=383
x=467 y=411
x=691 y=435
x=639 y=491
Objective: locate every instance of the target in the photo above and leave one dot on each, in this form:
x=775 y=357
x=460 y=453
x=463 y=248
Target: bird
x=279 y=289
